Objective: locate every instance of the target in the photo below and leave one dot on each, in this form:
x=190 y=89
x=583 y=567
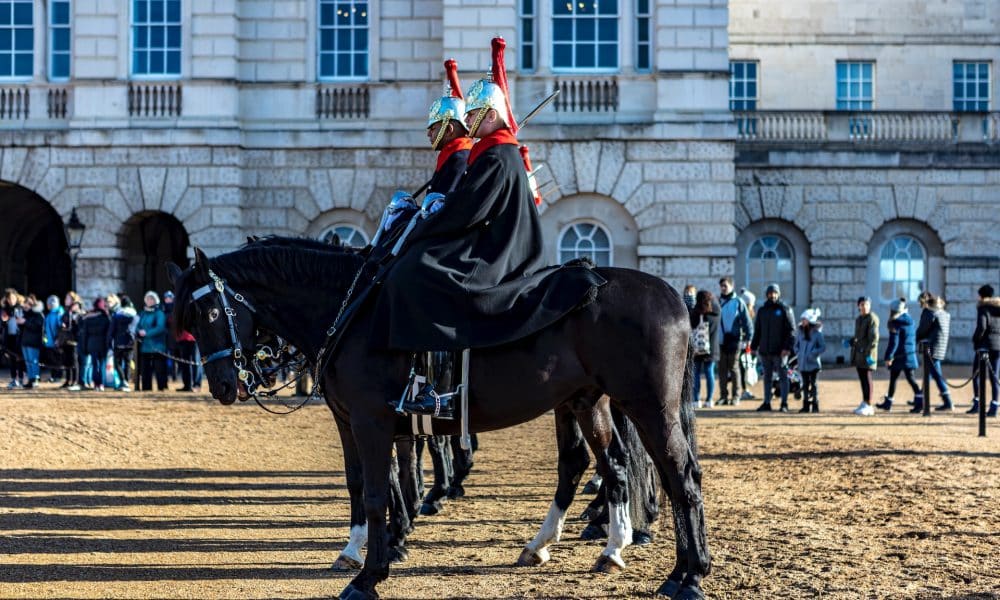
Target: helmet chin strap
x=479 y=121
x=440 y=135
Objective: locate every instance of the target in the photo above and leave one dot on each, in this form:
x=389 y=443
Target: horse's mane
x=278 y=262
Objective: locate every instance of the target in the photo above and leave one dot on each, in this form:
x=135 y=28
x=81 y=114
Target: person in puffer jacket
x=987 y=337
x=901 y=352
x=121 y=339
x=935 y=324
x=809 y=349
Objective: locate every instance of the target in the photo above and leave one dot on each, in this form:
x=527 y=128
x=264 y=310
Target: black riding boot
x=429 y=400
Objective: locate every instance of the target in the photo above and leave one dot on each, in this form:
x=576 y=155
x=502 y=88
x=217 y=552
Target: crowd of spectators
x=108 y=345
x=732 y=338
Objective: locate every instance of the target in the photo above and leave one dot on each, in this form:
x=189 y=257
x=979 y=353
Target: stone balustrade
x=897 y=127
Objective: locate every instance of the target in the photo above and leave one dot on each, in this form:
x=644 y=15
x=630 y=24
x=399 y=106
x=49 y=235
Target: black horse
x=630 y=343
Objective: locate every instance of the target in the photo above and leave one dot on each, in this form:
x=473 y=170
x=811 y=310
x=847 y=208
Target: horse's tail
x=687 y=403
x=643 y=481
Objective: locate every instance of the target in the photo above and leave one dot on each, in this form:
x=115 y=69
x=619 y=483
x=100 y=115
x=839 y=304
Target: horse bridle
x=220 y=287
x=250 y=379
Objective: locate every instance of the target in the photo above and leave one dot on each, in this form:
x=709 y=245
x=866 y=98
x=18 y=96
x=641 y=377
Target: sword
x=524 y=121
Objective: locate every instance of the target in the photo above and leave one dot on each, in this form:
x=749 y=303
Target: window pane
x=141 y=11
x=607 y=7
x=23 y=65
x=326 y=65
x=24 y=39
x=562 y=7
x=174 y=11
x=60 y=13
x=157 y=37
x=6 y=65
x=562 y=30
x=140 y=62
x=60 y=65
x=23 y=13
x=984 y=70
x=585 y=56
x=608 y=30
x=156 y=61
x=326 y=39
x=142 y=37
x=6 y=39
x=156 y=12
x=361 y=39
x=174 y=36
x=60 y=39
x=173 y=62
x=344 y=39
x=607 y=56
x=841 y=71
x=344 y=65
x=585 y=30
x=527 y=7
x=562 y=55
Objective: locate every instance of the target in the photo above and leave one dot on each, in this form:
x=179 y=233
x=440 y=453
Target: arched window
x=771 y=259
x=586 y=239
x=902 y=269
x=349 y=235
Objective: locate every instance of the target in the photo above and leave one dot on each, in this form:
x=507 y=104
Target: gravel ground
x=106 y=495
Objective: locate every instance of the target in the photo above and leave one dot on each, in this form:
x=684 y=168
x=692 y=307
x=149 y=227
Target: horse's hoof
x=428 y=509
x=455 y=492
x=641 y=538
x=593 y=532
x=352 y=593
x=668 y=589
x=345 y=563
x=590 y=488
x=533 y=558
x=607 y=566
x=689 y=593
x=398 y=554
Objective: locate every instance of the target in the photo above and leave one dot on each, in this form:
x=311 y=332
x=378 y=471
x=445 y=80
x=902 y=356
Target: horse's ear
x=173 y=273
x=200 y=262
x=252 y=238
x=336 y=241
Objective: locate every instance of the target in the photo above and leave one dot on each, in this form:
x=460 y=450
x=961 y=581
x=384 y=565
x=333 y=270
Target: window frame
x=637 y=45
x=357 y=230
x=848 y=99
x=921 y=283
x=989 y=85
x=732 y=83
x=597 y=227
x=165 y=23
x=319 y=43
x=786 y=284
x=596 y=70
x=13 y=77
x=51 y=41
x=527 y=21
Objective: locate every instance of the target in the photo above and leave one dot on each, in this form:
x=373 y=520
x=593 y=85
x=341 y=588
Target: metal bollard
x=927 y=378
x=984 y=372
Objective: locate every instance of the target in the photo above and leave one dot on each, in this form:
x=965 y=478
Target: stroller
x=794 y=378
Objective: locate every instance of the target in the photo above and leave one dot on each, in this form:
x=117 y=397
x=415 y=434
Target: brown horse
x=630 y=343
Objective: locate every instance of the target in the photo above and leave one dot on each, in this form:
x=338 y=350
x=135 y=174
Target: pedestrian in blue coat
x=901 y=352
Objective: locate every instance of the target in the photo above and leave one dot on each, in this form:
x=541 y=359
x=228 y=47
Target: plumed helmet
x=492 y=91
x=450 y=106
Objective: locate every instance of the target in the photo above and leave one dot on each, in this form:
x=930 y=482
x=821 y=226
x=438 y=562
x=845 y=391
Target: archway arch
x=151 y=238
x=32 y=243
x=774 y=251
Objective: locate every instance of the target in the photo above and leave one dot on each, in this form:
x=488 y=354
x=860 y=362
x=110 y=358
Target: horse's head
x=221 y=321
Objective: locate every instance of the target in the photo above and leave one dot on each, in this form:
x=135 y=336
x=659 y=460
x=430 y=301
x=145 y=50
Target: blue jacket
x=808 y=352
x=736 y=327
x=155 y=324
x=902 y=346
x=53 y=323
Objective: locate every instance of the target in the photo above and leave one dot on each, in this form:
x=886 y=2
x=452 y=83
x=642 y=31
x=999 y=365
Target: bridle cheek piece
x=236 y=350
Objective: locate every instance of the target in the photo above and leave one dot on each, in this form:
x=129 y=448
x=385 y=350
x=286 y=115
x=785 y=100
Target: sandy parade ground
x=111 y=495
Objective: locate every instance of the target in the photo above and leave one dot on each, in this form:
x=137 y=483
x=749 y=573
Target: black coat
x=472 y=274
x=773 y=329
x=94 y=333
x=32 y=329
x=447 y=178
x=987 y=334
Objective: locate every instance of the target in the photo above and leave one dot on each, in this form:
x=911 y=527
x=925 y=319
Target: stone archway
x=33 y=244
x=152 y=238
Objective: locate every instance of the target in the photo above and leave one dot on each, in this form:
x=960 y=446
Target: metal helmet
x=492 y=92
x=450 y=106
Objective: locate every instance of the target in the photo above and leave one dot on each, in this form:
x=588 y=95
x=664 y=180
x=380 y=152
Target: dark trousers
x=775 y=364
x=729 y=372
x=52 y=358
x=865 y=376
x=809 y=385
x=123 y=364
x=185 y=351
x=151 y=363
x=97 y=363
x=994 y=377
x=71 y=364
x=894 y=372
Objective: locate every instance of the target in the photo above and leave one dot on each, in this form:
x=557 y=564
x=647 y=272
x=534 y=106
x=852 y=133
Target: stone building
x=868 y=152
x=168 y=124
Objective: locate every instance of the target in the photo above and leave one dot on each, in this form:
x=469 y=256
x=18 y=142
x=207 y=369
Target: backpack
x=701 y=342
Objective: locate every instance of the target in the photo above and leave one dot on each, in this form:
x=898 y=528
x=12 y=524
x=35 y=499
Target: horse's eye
x=213 y=315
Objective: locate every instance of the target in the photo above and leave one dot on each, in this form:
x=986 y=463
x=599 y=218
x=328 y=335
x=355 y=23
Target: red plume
x=451 y=70
x=500 y=78
x=531 y=178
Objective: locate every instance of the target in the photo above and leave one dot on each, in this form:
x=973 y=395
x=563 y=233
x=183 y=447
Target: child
x=809 y=347
x=901 y=352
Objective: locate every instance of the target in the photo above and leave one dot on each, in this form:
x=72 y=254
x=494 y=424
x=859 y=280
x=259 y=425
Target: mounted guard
x=473 y=274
